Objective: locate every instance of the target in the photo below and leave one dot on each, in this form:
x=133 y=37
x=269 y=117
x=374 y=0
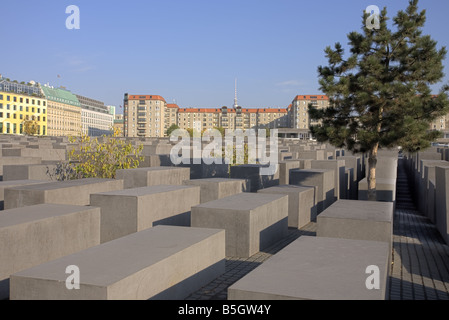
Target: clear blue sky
x=187 y=50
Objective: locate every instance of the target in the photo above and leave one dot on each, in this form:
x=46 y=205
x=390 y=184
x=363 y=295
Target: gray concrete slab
x=252 y=172
x=322 y=179
x=28 y=172
x=316 y=268
x=164 y=262
x=252 y=221
x=301 y=203
x=313 y=154
x=145 y=177
x=284 y=170
x=385 y=189
x=36 y=234
x=442 y=201
x=131 y=210
x=72 y=192
x=339 y=175
x=358 y=220
x=217 y=188
x=18 y=160
x=15 y=183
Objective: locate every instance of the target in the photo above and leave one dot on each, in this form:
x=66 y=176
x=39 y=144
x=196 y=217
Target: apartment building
x=144 y=115
x=21 y=102
x=299 y=115
x=151 y=116
x=171 y=115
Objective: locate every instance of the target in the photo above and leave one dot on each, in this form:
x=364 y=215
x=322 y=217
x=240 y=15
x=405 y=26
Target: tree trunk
x=372 y=162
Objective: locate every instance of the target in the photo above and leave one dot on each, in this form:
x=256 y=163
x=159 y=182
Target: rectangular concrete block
x=15 y=183
x=131 y=210
x=301 y=203
x=206 y=168
x=28 y=172
x=72 y=192
x=431 y=199
x=17 y=160
x=353 y=162
x=284 y=170
x=339 y=175
x=358 y=220
x=164 y=262
x=36 y=234
x=254 y=173
x=386 y=167
x=252 y=221
x=426 y=173
x=322 y=179
x=145 y=177
x=317 y=268
x=314 y=155
x=442 y=201
x=349 y=184
x=385 y=189
x=217 y=188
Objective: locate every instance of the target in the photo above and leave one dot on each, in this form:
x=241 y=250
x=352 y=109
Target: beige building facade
x=64 y=112
x=299 y=115
x=144 y=116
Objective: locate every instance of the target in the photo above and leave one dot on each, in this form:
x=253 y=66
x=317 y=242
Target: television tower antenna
x=235 y=97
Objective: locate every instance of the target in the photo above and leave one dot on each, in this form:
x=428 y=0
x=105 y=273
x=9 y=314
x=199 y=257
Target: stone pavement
x=420 y=260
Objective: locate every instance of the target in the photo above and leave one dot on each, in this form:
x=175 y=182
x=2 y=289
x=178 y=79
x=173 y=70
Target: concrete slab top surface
x=37 y=212
x=242 y=201
x=319 y=268
x=153 y=169
x=212 y=180
x=312 y=170
x=142 y=191
x=115 y=260
x=20 y=182
x=381 y=181
x=62 y=184
x=287 y=189
x=359 y=210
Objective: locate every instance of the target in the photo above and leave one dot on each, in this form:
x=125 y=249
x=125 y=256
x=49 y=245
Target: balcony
x=141 y=120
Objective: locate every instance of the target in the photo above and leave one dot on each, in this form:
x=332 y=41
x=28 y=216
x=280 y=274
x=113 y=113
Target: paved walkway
x=420 y=261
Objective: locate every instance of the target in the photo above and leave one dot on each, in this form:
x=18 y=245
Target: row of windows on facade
x=96 y=116
x=21 y=100
x=21 y=116
x=17 y=129
x=27 y=109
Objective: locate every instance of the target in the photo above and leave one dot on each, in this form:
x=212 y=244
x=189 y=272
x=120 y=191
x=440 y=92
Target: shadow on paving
x=427 y=261
x=406 y=290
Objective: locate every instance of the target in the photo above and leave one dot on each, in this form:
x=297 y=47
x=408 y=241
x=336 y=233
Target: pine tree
x=380 y=96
